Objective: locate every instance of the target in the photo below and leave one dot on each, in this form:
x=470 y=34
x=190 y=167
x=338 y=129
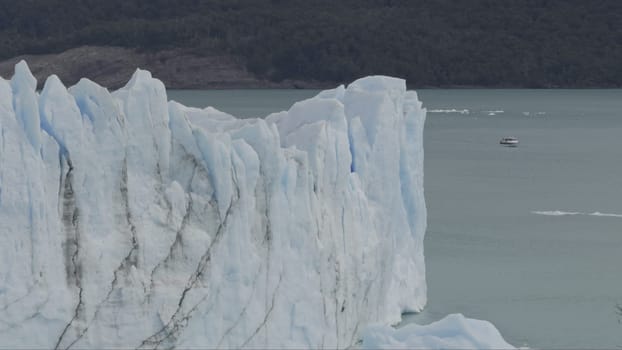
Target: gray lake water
x=497 y=247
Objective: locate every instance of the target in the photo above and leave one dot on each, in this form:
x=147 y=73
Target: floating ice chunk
x=452 y=332
x=494 y=112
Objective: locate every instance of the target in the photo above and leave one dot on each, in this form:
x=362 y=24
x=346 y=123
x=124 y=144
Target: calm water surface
x=546 y=281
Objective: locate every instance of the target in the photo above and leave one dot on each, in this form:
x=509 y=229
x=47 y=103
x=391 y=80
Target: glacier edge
x=127 y=220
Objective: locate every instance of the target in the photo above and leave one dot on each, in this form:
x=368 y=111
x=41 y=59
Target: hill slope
x=112 y=66
x=511 y=43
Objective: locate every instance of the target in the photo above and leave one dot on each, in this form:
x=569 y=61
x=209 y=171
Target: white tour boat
x=509 y=141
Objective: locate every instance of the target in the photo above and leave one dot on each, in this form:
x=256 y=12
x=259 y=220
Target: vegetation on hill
x=522 y=43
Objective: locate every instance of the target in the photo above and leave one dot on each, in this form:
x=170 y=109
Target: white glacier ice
x=452 y=332
x=127 y=221
x=130 y=221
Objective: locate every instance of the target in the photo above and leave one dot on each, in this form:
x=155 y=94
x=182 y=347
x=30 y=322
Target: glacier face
x=130 y=221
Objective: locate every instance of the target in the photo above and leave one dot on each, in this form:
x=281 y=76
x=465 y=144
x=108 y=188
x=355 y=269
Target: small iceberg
x=452 y=332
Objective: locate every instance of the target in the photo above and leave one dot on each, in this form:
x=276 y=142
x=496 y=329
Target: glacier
x=127 y=220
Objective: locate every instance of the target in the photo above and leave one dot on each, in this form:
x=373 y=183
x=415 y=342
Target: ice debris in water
x=452 y=332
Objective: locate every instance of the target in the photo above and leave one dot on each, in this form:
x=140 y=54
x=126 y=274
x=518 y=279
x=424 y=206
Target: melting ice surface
x=130 y=221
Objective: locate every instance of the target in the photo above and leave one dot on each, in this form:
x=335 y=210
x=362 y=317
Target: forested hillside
x=509 y=43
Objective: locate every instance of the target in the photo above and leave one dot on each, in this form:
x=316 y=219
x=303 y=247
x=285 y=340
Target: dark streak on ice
x=70 y=219
x=334 y=292
x=184 y=223
x=266 y=316
x=129 y=260
x=242 y=313
x=179 y=320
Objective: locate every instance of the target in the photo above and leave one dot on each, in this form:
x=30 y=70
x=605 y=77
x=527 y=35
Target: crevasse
x=130 y=221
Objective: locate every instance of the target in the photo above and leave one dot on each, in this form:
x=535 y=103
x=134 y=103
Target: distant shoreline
x=112 y=67
x=181 y=69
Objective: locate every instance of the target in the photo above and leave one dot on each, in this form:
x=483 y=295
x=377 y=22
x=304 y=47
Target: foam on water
x=596 y=213
x=555 y=213
x=534 y=114
x=447 y=110
x=567 y=213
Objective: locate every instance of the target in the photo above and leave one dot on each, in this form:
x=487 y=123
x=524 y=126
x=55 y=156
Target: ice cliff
x=130 y=221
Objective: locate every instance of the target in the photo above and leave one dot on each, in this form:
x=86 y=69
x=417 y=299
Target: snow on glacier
x=130 y=221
